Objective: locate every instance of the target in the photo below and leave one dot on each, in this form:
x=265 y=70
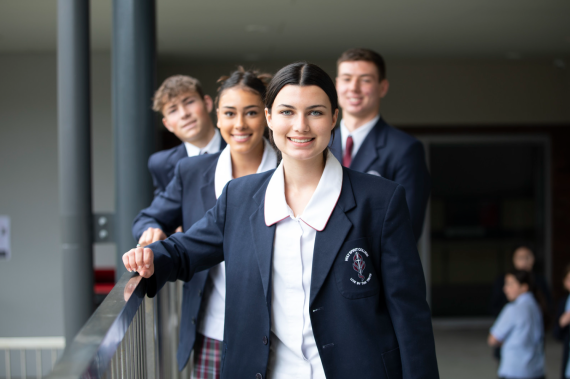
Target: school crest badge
x=357 y=258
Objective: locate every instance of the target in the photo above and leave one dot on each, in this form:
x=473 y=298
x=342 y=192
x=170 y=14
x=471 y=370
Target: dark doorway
x=487 y=197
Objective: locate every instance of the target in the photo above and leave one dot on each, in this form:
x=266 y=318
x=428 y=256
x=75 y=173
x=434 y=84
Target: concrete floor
x=462 y=353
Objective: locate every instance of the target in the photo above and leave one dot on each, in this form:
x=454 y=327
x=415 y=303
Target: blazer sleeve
x=181 y=255
x=405 y=292
x=413 y=174
x=165 y=212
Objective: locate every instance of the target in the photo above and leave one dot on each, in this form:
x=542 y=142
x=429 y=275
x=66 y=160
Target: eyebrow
x=347 y=74
x=309 y=107
x=174 y=105
x=248 y=107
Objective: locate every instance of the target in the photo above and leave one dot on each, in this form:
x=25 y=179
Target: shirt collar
x=358 y=135
x=224 y=166
x=211 y=148
x=319 y=209
x=523 y=297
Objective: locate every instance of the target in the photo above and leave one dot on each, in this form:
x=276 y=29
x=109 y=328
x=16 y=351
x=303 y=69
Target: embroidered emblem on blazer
x=359 y=265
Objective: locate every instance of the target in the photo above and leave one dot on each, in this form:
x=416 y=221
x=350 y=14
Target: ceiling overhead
x=314 y=29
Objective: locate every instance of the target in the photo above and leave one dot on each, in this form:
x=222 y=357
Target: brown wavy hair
x=173 y=87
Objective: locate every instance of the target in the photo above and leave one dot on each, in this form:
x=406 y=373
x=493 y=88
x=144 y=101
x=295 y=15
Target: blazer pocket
x=354 y=271
x=393 y=364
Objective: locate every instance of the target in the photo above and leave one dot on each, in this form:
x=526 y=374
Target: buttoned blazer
x=161 y=165
x=378 y=330
x=562 y=334
x=185 y=200
x=397 y=156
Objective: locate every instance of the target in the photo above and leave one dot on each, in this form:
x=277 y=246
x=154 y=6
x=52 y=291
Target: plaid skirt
x=207 y=358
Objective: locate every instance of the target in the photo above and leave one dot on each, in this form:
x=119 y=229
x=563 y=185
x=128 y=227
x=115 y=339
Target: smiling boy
x=366 y=143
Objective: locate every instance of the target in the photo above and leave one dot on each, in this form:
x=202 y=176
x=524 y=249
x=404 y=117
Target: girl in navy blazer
x=323 y=278
x=197 y=183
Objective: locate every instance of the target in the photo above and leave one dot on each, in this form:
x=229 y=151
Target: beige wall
x=422 y=93
x=31 y=302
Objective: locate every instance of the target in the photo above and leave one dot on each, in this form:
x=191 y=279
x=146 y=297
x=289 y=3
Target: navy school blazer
x=397 y=156
x=378 y=330
x=186 y=199
x=161 y=165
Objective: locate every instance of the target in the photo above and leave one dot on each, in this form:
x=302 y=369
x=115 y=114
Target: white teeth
x=300 y=140
x=241 y=138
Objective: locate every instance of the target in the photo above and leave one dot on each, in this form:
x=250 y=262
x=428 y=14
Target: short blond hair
x=173 y=87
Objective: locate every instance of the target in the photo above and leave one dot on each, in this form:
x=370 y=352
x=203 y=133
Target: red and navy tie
x=347 y=158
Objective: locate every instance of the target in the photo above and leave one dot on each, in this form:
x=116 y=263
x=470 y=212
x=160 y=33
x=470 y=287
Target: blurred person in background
x=523 y=259
x=366 y=143
x=198 y=181
x=561 y=328
x=519 y=330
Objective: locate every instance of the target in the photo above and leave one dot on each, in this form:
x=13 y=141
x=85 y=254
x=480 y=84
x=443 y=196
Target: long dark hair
x=250 y=80
x=300 y=74
x=526 y=277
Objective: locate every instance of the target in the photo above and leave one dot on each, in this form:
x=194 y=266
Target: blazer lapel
x=368 y=151
x=208 y=190
x=329 y=241
x=263 y=240
x=335 y=145
x=179 y=154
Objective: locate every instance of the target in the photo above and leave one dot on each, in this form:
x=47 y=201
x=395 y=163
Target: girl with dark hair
x=323 y=275
x=519 y=330
x=198 y=182
x=523 y=258
x=561 y=326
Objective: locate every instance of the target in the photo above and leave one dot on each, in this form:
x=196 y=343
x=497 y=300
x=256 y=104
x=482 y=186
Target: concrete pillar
x=134 y=72
x=74 y=122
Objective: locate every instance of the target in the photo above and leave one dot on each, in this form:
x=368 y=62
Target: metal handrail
x=118 y=340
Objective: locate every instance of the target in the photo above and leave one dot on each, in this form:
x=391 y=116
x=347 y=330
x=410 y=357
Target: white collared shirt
x=211 y=148
x=212 y=324
x=358 y=135
x=294 y=352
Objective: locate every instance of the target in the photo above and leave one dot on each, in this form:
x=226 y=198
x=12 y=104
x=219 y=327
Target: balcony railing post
x=150 y=330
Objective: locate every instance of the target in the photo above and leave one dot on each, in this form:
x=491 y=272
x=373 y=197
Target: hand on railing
x=141 y=260
x=130 y=287
x=152 y=235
